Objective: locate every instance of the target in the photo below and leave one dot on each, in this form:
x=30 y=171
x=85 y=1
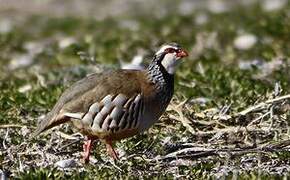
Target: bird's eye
x=170 y=50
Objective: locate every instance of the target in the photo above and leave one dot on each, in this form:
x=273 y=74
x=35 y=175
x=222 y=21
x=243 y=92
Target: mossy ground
x=39 y=58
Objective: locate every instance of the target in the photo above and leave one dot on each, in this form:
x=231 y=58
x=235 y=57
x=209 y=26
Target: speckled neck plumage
x=161 y=78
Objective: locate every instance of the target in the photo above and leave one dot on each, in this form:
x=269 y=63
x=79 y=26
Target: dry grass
x=229 y=116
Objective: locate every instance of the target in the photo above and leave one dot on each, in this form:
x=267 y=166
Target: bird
x=117 y=104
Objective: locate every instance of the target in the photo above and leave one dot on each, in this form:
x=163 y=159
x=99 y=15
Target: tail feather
x=42 y=124
x=48 y=122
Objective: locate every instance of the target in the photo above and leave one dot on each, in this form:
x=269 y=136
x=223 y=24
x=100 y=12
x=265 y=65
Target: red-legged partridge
x=118 y=104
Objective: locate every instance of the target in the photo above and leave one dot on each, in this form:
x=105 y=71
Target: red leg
x=87 y=147
x=111 y=150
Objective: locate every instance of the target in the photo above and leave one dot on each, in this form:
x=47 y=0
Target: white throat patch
x=169 y=62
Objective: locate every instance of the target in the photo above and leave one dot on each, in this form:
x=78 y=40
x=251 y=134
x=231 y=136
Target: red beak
x=182 y=53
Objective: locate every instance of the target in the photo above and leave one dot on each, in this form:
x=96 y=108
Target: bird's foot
x=87 y=148
x=111 y=150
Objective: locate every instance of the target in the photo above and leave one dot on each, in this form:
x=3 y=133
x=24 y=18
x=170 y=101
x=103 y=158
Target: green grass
x=222 y=81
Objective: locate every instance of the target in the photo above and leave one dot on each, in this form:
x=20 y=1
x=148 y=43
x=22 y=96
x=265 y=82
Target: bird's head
x=169 y=56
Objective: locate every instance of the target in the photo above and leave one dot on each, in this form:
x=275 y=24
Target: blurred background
x=238 y=57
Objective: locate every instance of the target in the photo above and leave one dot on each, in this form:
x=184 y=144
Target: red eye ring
x=170 y=50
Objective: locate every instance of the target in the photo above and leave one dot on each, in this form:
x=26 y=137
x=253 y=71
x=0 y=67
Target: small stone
x=201 y=19
x=245 y=41
x=200 y=100
x=24 y=88
x=273 y=5
x=136 y=63
x=130 y=24
x=186 y=7
x=217 y=6
x=67 y=163
x=34 y=47
x=19 y=61
x=3 y=175
x=244 y=65
x=65 y=42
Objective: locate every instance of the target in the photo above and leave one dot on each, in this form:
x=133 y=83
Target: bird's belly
x=103 y=133
x=128 y=124
x=145 y=122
